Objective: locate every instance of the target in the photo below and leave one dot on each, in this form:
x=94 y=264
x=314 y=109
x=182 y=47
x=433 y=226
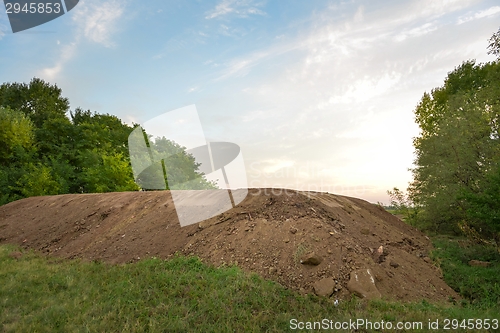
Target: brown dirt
x=267 y=234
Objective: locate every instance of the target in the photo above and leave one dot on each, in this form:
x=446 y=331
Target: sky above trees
x=318 y=94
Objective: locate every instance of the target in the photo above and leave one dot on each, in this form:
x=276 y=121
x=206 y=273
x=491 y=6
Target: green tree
x=43 y=152
x=494 y=46
x=38 y=100
x=177 y=172
x=99 y=138
x=9 y=190
x=37 y=179
x=107 y=173
x=44 y=104
x=103 y=131
x=16 y=136
x=17 y=149
x=458 y=142
x=484 y=206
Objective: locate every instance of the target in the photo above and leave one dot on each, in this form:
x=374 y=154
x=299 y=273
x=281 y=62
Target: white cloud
x=481 y=14
x=222 y=8
x=332 y=42
x=240 y=8
x=97 y=20
x=432 y=9
x=342 y=94
x=67 y=52
x=367 y=88
x=3 y=27
x=130 y=120
x=416 y=32
x=358 y=17
x=240 y=67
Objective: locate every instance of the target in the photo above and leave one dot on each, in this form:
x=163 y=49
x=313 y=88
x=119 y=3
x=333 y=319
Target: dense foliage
x=456 y=178
x=47 y=149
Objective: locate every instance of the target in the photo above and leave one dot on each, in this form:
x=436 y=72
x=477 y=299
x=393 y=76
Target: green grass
x=479 y=285
x=40 y=294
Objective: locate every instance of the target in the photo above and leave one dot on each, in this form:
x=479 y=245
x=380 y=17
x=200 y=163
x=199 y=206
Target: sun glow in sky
x=319 y=95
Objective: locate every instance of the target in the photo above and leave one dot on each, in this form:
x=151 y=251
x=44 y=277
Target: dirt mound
x=295 y=238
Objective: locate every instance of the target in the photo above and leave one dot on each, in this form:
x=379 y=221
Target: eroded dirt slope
x=267 y=233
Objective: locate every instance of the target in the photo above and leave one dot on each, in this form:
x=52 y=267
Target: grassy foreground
x=40 y=294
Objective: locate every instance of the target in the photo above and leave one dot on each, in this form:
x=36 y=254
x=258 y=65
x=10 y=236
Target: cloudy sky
x=319 y=95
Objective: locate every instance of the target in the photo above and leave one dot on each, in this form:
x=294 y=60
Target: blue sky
x=318 y=94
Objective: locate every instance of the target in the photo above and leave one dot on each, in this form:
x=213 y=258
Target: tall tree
x=42 y=151
x=179 y=170
x=17 y=149
x=101 y=142
x=97 y=129
x=458 y=142
x=38 y=100
x=494 y=44
x=16 y=136
x=484 y=206
x=44 y=104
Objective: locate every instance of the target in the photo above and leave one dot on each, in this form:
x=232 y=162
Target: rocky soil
x=313 y=242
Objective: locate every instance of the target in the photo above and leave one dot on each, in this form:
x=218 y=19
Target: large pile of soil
x=268 y=233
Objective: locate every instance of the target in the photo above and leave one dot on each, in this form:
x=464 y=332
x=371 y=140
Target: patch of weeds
x=480 y=286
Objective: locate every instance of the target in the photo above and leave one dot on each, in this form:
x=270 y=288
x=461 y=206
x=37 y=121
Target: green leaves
x=43 y=152
x=494 y=44
x=38 y=100
x=16 y=135
x=37 y=180
x=484 y=205
x=179 y=172
x=107 y=173
x=457 y=147
x=87 y=154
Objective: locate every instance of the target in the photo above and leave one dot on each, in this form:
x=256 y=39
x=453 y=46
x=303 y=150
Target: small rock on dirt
x=362 y=283
x=311 y=259
x=365 y=231
x=324 y=287
x=379 y=255
x=479 y=263
x=394 y=264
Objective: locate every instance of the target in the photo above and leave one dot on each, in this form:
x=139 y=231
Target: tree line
x=456 y=173
x=46 y=149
